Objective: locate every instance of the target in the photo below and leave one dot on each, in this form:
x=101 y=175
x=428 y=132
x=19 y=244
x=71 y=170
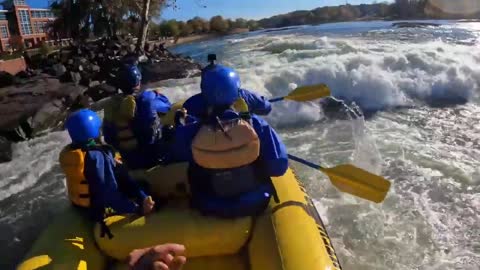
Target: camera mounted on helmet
x=212 y=58
x=220 y=84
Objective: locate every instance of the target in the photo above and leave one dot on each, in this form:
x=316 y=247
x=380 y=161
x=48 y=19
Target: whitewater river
x=420 y=89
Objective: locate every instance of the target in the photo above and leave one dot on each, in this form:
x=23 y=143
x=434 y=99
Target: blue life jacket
x=227 y=177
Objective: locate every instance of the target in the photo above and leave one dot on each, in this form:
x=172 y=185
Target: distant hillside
x=327 y=14
x=400 y=9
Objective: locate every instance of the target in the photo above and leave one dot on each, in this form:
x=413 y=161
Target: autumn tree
x=230 y=24
x=77 y=18
x=145 y=10
x=198 y=25
x=185 y=29
x=206 y=26
x=410 y=8
x=218 y=24
x=170 y=28
x=253 y=25
x=240 y=23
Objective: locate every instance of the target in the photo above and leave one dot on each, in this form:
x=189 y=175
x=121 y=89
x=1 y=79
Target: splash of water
x=366 y=154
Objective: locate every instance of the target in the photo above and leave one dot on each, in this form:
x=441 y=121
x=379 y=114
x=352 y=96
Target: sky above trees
x=258 y=9
x=249 y=9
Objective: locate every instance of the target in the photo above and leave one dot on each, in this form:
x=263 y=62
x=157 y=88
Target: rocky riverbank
x=37 y=100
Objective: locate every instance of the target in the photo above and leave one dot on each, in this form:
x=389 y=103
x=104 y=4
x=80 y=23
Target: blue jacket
x=146 y=129
x=196 y=105
x=273 y=153
x=110 y=185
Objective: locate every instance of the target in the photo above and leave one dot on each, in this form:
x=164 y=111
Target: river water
x=420 y=91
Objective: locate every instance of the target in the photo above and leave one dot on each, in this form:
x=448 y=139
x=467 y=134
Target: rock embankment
x=37 y=100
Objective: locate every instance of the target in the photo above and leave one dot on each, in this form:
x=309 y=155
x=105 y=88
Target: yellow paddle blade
x=308 y=93
x=358 y=182
x=241 y=105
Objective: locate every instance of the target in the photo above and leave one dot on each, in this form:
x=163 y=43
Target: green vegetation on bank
x=400 y=9
x=197 y=25
x=11 y=56
x=82 y=19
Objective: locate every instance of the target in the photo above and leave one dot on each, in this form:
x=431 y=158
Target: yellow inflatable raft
x=288 y=236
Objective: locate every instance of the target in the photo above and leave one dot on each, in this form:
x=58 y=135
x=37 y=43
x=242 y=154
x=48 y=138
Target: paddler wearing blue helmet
x=232 y=153
x=95 y=179
x=197 y=104
x=132 y=124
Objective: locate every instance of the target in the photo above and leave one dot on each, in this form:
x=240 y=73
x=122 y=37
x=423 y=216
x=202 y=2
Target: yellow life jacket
x=120 y=112
x=72 y=162
x=235 y=146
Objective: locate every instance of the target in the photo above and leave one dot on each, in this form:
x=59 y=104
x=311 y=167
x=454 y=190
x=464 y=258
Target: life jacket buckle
x=222 y=128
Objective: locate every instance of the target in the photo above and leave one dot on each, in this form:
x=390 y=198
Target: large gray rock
x=6 y=79
x=37 y=105
x=143 y=59
x=40 y=104
x=48 y=117
x=95 y=68
x=132 y=47
x=169 y=69
x=75 y=77
x=101 y=91
x=59 y=69
x=5 y=150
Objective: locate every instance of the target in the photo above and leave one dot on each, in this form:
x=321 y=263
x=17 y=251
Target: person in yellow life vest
x=232 y=154
x=95 y=179
x=132 y=124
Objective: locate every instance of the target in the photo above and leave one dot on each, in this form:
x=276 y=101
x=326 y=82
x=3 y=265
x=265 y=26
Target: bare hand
x=180 y=116
x=182 y=112
x=148 y=205
x=161 y=257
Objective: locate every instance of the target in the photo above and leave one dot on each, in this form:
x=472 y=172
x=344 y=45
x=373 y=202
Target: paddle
x=306 y=93
x=353 y=180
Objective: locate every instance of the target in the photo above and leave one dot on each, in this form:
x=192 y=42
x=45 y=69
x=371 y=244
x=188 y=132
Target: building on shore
x=19 y=19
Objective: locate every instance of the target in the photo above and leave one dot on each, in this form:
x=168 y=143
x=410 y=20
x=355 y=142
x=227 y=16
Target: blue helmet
x=83 y=125
x=220 y=85
x=130 y=77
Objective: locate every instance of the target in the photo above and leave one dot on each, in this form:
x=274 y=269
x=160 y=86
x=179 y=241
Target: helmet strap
x=91 y=142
